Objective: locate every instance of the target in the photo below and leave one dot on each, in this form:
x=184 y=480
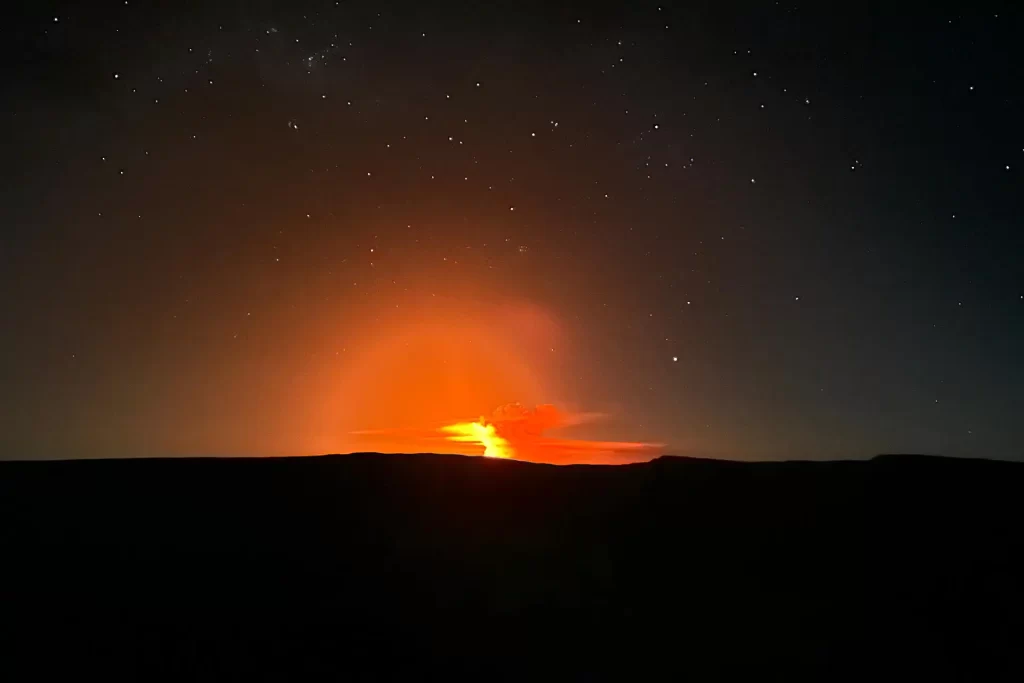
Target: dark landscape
x=558 y=241
x=374 y=566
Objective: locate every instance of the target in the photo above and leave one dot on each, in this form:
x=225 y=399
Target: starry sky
x=749 y=230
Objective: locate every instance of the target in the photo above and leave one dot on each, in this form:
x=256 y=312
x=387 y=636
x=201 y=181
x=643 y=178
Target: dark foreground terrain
x=418 y=566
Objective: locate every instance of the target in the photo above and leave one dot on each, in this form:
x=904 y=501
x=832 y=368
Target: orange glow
x=411 y=373
x=518 y=433
x=418 y=382
x=480 y=433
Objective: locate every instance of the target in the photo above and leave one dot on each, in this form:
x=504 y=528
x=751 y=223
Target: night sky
x=745 y=230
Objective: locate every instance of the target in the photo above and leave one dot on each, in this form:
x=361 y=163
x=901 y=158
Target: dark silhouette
x=428 y=565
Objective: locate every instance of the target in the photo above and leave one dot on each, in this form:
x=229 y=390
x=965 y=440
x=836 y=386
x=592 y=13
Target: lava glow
x=517 y=433
x=481 y=433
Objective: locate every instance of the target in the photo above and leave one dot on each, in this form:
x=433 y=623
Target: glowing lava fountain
x=485 y=434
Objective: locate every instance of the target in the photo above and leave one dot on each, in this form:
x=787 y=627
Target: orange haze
x=418 y=381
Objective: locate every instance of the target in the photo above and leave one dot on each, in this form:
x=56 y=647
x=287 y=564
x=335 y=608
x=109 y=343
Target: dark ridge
x=423 y=565
x=914 y=459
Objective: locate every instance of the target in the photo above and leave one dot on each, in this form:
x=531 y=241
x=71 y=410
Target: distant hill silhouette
x=377 y=566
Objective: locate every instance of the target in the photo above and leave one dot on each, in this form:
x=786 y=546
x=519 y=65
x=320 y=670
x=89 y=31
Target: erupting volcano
x=519 y=433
